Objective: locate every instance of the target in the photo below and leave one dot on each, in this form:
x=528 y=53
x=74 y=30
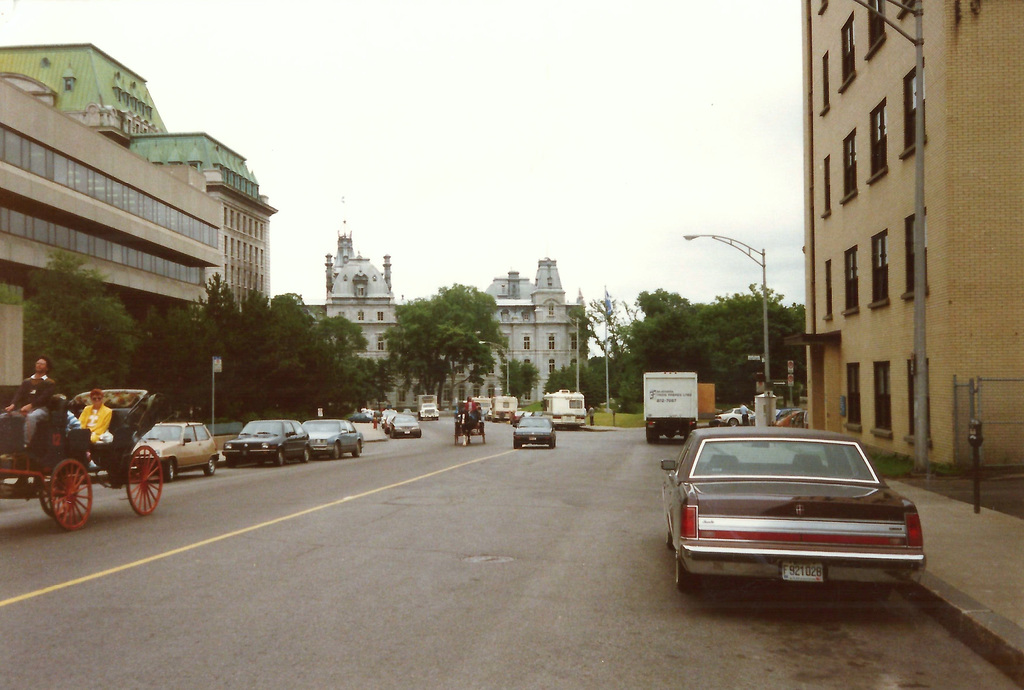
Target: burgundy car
x=786 y=504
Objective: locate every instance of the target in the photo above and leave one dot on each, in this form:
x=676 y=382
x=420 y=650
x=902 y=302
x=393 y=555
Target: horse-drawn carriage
x=468 y=423
x=59 y=467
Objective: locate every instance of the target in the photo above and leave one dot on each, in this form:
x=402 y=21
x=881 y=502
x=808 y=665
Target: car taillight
x=688 y=530
x=915 y=535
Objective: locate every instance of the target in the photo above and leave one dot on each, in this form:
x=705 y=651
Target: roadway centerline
x=229 y=535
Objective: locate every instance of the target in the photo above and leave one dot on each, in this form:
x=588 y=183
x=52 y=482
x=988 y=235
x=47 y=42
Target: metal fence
x=996 y=402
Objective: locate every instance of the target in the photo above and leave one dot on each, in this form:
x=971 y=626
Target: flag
x=607 y=303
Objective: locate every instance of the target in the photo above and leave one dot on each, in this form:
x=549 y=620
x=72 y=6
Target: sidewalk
x=974 y=580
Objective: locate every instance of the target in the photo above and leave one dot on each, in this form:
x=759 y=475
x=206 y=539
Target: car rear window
x=782 y=458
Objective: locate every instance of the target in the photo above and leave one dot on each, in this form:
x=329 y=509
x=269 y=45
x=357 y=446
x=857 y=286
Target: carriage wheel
x=145 y=480
x=70 y=494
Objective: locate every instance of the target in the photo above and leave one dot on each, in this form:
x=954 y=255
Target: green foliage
x=448 y=338
x=8 y=295
x=85 y=330
x=713 y=340
x=522 y=377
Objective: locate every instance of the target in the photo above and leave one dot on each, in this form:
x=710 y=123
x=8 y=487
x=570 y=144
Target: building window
x=360 y=291
x=824 y=83
x=850 y=165
x=851 y=278
x=526 y=342
x=551 y=311
x=876 y=22
x=880 y=266
x=574 y=342
x=878 y=139
x=360 y=315
x=69 y=83
x=828 y=184
x=504 y=314
x=380 y=316
x=380 y=343
x=883 y=397
x=551 y=341
x=909 y=108
x=828 y=288
x=853 y=393
x=551 y=366
x=849 y=51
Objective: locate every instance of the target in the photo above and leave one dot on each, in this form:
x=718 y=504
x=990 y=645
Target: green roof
x=94 y=76
x=201 y=151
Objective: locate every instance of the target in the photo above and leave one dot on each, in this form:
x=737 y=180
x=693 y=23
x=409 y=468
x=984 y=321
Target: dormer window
x=69 y=82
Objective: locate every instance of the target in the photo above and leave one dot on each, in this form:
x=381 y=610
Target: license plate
x=532 y=438
x=803 y=572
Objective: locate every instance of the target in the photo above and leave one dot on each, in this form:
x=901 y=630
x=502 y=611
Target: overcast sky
x=468 y=138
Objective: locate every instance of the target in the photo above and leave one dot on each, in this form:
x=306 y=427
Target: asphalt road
x=421 y=564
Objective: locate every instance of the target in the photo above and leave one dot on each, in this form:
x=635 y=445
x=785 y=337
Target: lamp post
x=920 y=366
x=753 y=254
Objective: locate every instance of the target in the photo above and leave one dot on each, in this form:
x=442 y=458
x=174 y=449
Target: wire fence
x=996 y=403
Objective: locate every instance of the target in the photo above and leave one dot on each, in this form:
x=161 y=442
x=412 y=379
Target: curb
x=993 y=637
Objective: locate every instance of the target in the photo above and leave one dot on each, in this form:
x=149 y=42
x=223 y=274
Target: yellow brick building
x=861 y=90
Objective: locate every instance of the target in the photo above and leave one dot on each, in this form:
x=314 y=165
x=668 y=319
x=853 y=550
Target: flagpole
x=607 y=318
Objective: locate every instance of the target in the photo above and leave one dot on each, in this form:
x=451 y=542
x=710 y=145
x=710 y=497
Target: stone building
x=107 y=110
x=535 y=322
x=861 y=92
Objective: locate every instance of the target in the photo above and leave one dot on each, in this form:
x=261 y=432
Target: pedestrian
x=745 y=411
x=590 y=412
x=31 y=399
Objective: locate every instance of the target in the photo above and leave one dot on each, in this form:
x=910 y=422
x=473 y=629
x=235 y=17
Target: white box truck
x=504 y=408
x=670 y=404
x=427 y=405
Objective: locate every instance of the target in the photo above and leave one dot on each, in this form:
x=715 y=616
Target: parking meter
x=974 y=433
x=975 y=439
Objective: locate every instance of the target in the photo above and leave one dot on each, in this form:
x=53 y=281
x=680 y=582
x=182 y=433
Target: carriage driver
x=32 y=397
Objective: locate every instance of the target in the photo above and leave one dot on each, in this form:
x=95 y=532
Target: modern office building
x=152 y=232
x=861 y=91
x=108 y=112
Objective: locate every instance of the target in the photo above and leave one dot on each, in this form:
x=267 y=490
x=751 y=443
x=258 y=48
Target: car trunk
x=805 y=500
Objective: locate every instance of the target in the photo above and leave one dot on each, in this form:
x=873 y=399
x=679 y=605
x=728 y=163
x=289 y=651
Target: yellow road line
x=229 y=535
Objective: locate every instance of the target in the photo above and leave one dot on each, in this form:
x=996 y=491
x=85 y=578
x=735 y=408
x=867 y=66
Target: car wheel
x=668 y=540
x=336 y=451
x=734 y=422
x=211 y=466
x=358 y=449
x=280 y=459
x=517 y=444
x=306 y=454
x=231 y=463
x=685 y=580
x=170 y=470
x=552 y=444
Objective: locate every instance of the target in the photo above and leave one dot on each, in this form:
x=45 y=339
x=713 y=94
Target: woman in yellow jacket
x=96 y=417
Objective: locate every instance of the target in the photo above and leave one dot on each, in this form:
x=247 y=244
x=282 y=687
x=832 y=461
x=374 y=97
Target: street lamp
x=753 y=254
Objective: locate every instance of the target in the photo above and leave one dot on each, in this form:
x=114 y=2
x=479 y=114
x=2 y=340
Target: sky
x=468 y=138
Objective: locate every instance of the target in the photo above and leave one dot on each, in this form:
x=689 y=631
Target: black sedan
x=534 y=431
x=786 y=504
x=268 y=440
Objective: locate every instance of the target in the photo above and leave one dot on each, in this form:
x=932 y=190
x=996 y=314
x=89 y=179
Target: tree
x=448 y=337
x=84 y=329
x=522 y=377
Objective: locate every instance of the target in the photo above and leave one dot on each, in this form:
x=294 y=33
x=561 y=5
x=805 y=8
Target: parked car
x=333 y=437
x=732 y=417
x=794 y=505
x=405 y=425
x=268 y=440
x=534 y=431
x=182 y=446
x=360 y=418
x=795 y=418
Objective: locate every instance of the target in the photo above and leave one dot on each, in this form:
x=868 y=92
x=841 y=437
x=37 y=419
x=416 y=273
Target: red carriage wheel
x=70 y=494
x=145 y=480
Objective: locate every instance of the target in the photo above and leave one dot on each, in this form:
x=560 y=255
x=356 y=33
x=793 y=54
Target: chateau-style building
x=532 y=316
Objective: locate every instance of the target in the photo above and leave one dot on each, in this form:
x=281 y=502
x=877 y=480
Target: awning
x=830 y=338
